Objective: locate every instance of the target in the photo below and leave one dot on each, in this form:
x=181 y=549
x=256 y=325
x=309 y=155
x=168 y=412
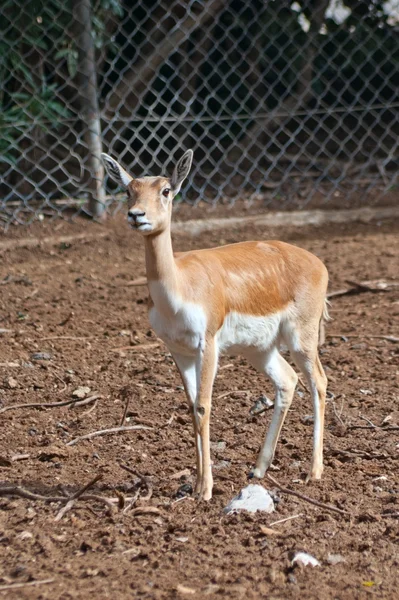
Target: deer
x=250 y=298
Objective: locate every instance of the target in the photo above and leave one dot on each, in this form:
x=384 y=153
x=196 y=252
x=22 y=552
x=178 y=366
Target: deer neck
x=162 y=272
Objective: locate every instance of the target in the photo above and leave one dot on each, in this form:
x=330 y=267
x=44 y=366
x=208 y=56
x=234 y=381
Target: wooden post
x=87 y=87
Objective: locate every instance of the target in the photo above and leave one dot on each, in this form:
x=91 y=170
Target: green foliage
x=37 y=56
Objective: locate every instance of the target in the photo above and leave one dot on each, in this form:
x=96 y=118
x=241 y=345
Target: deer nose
x=135 y=214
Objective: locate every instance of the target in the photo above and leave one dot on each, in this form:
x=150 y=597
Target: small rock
x=260 y=404
x=307 y=419
x=41 y=356
x=303 y=559
x=25 y=535
x=183 y=589
x=184 y=490
x=81 y=392
x=218 y=446
x=11 y=383
x=222 y=464
x=251 y=498
x=335 y=559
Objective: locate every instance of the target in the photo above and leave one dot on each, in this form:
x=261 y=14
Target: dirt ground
x=72 y=302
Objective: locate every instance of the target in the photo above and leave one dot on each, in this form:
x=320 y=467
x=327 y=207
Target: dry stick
x=286 y=519
x=93 y=398
x=19 y=457
x=72 y=499
x=86 y=487
x=63 y=511
x=47 y=404
x=390 y=338
x=21 y=492
x=378 y=427
x=126 y=409
x=12 y=586
x=87 y=412
x=306 y=498
x=89 y=436
x=137 y=348
x=69 y=337
x=232 y=392
x=136 y=282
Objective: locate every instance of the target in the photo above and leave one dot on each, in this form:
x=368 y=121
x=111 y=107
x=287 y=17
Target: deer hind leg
x=187 y=367
x=284 y=379
x=305 y=356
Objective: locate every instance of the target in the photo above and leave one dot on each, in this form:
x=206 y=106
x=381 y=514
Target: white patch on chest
x=181 y=325
x=241 y=332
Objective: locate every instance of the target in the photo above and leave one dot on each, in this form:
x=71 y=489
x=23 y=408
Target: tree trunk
x=87 y=85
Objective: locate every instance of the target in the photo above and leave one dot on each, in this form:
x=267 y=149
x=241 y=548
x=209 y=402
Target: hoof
x=314 y=475
x=206 y=496
x=256 y=473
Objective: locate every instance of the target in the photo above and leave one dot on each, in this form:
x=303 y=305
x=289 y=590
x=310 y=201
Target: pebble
x=11 y=383
x=41 y=356
x=251 y=498
x=303 y=559
x=81 y=392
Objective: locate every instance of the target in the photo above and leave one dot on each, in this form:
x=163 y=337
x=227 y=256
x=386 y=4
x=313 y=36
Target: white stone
x=251 y=498
x=304 y=559
x=81 y=392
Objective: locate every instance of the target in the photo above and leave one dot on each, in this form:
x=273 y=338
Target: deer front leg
x=187 y=367
x=207 y=367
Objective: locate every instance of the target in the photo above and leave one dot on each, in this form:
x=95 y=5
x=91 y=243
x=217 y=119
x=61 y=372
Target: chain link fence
x=284 y=103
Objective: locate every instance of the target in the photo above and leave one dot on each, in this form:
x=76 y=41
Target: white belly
x=241 y=332
x=182 y=326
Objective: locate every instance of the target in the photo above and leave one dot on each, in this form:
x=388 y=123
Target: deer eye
x=166 y=192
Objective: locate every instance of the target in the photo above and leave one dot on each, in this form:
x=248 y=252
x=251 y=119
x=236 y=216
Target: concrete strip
x=296 y=218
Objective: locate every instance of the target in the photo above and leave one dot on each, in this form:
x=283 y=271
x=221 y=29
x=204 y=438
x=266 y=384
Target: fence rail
x=290 y=104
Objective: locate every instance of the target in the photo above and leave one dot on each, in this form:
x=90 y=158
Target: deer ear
x=115 y=171
x=181 y=171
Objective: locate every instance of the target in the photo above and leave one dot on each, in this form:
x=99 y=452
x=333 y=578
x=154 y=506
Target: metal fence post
x=87 y=85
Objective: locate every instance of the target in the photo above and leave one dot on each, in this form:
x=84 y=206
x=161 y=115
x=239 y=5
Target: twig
x=306 y=498
x=338 y=416
x=19 y=457
x=63 y=382
x=368 y=421
x=89 y=436
x=286 y=519
x=378 y=427
x=63 y=511
x=87 y=400
x=359 y=287
x=21 y=492
x=128 y=397
x=13 y=586
x=390 y=338
x=68 y=337
x=68 y=318
x=138 y=348
x=46 y=404
x=137 y=282
x=86 y=487
x=232 y=392
x=87 y=412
